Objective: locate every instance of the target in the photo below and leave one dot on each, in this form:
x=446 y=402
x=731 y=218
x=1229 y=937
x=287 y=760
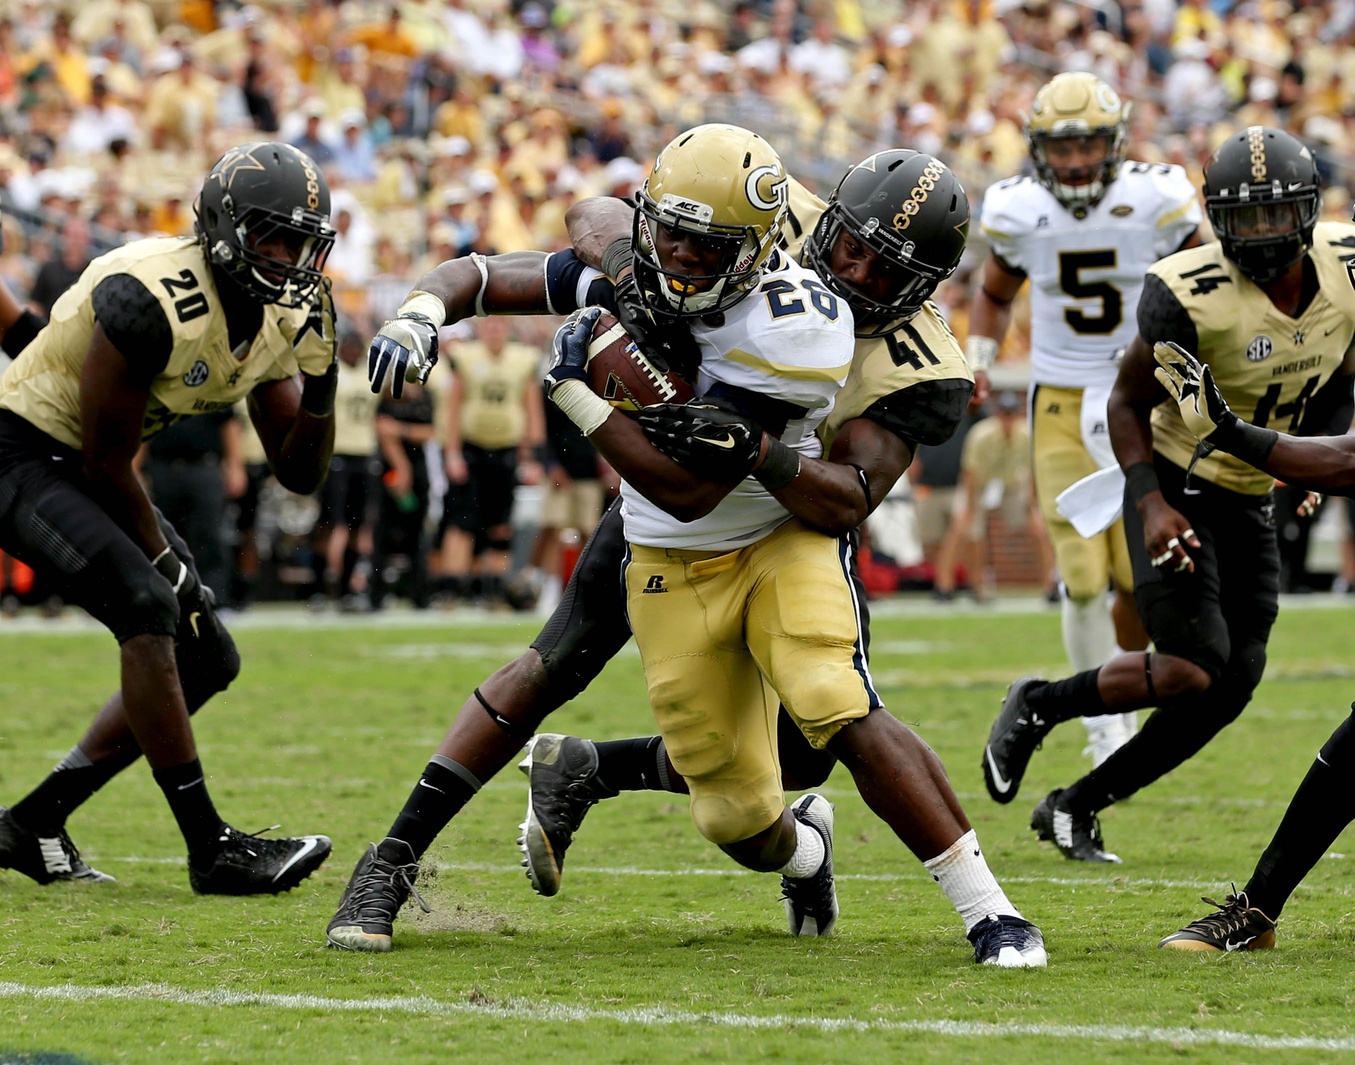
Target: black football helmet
x=909 y=209
x=1261 y=192
x=257 y=194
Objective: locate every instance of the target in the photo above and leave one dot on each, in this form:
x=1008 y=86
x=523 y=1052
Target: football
x=623 y=376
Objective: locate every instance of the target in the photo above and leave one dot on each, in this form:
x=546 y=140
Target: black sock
x=1318 y=813
x=1063 y=700
x=44 y=809
x=185 y=787
x=633 y=765
x=444 y=788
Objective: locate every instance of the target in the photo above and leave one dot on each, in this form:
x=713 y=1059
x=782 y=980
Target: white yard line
x=1116 y=883
x=297 y=616
x=525 y=1009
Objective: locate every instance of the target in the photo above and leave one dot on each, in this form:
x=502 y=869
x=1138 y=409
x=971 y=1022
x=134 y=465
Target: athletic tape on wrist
x=426 y=304
x=980 y=353
x=581 y=405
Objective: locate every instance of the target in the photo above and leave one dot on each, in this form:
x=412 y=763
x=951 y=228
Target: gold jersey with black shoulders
x=202 y=373
x=492 y=414
x=1267 y=364
x=355 y=406
x=914 y=382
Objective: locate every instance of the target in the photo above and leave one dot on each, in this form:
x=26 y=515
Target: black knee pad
x=206 y=654
x=1201 y=640
x=148 y=607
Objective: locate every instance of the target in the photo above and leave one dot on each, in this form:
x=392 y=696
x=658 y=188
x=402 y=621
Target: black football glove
x=667 y=343
x=708 y=439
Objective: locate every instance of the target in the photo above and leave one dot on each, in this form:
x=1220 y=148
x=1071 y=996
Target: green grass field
x=657 y=949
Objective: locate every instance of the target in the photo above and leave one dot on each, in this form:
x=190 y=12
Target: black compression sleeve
x=928 y=412
x=134 y=321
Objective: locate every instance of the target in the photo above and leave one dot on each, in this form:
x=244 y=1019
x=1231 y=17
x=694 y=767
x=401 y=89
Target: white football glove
x=404 y=349
x=1191 y=384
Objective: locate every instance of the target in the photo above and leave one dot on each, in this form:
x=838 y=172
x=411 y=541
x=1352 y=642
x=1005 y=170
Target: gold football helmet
x=1070 y=115
x=723 y=191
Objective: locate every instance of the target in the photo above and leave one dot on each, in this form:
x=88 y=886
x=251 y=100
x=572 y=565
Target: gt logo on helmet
x=777 y=193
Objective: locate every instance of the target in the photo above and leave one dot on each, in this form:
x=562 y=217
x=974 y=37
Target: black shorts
x=1231 y=599
x=50 y=521
x=247 y=506
x=349 y=496
x=485 y=499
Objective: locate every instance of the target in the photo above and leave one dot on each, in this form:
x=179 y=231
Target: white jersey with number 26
x=789 y=339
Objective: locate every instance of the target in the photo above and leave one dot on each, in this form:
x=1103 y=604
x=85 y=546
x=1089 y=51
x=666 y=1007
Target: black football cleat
x=1078 y=837
x=1015 y=736
x=562 y=785
x=1237 y=925
x=377 y=889
x=46 y=859
x=248 y=864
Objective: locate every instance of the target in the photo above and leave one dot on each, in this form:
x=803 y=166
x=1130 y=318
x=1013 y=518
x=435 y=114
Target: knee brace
x=149 y=607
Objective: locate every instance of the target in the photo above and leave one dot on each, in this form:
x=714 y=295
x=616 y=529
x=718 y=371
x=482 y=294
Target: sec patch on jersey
x=621 y=374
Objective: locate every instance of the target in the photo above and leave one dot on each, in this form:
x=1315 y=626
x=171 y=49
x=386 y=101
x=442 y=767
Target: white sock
x=967 y=881
x=1088 y=632
x=808 y=856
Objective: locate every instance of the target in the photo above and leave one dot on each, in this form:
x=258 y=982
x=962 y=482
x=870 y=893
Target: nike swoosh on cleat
x=308 y=846
x=1239 y=945
x=1000 y=782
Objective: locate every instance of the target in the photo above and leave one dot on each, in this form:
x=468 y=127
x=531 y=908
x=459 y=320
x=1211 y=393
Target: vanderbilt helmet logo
x=1256 y=144
x=1259 y=349
x=777 y=188
x=926 y=182
x=196 y=375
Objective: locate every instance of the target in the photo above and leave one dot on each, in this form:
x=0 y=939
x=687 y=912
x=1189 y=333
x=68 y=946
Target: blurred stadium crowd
x=451 y=126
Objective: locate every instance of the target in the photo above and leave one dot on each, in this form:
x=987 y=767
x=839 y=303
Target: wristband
x=617 y=257
x=581 y=405
x=980 y=353
x=318 y=391
x=779 y=466
x=1142 y=480
x=1245 y=441
x=865 y=486
x=426 y=304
